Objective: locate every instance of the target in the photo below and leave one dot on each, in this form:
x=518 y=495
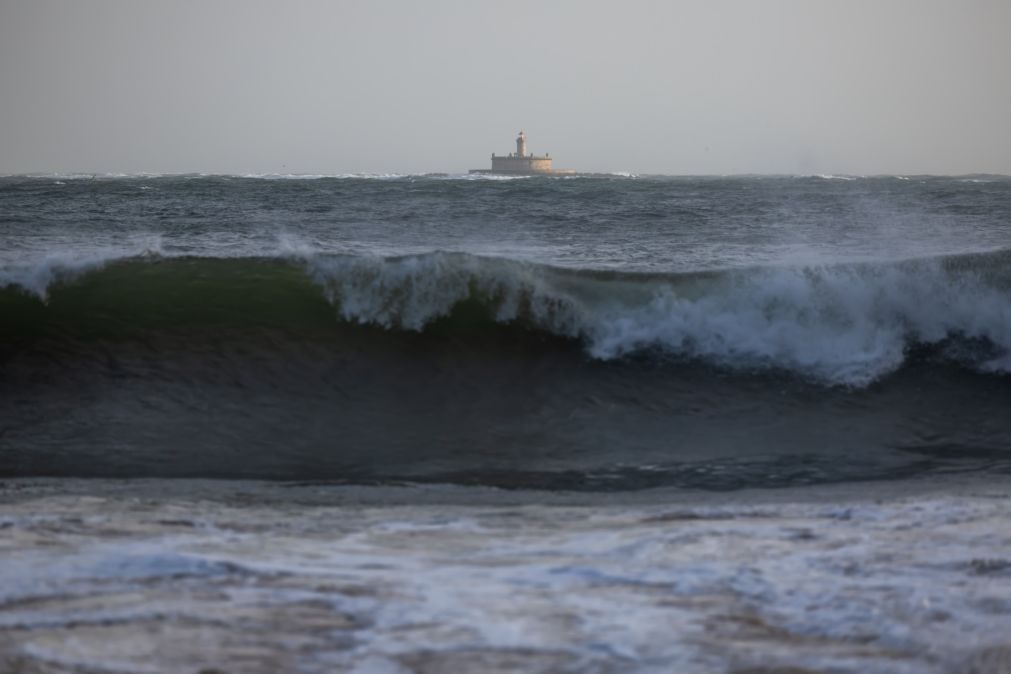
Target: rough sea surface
x=449 y=423
x=194 y=576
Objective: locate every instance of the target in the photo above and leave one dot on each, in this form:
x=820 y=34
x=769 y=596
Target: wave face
x=844 y=324
x=456 y=367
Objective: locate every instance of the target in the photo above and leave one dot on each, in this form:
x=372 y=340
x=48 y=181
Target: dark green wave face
x=133 y=296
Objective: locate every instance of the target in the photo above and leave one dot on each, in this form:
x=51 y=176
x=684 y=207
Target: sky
x=398 y=86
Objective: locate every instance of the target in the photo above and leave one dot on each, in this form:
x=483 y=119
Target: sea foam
x=846 y=324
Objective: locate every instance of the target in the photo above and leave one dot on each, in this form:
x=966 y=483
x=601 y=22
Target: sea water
x=460 y=423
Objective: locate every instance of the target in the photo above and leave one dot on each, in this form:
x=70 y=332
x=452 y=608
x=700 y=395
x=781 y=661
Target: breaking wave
x=847 y=324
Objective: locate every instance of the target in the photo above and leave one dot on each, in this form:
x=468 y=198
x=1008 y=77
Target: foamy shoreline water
x=191 y=575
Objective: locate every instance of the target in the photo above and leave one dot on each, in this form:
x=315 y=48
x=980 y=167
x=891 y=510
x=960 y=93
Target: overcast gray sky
x=708 y=86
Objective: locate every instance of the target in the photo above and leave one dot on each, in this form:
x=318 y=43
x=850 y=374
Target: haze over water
x=786 y=86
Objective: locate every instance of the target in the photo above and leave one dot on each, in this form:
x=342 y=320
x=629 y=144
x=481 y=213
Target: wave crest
x=846 y=324
x=841 y=324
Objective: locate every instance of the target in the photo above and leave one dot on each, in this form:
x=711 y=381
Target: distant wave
x=319 y=176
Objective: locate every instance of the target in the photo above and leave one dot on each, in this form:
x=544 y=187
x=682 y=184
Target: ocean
x=449 y=423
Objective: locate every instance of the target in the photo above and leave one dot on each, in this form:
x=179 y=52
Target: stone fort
x=522 y=163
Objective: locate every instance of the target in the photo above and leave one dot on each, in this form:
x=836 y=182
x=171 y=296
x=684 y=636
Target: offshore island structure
x=523 y=164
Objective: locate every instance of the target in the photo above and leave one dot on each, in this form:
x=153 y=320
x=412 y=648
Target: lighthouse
x=521 y=145
x=523 y=162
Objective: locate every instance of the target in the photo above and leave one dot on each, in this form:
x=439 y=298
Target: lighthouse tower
x=521 y=145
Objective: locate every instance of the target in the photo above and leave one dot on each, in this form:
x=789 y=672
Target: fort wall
x=528 y=164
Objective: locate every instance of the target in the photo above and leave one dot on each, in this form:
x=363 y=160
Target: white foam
x=409 y=292
x=484 y=176
x=319 y=176
x=38 y=274
x=840 y=579
x=844 y=324
x=841 y=324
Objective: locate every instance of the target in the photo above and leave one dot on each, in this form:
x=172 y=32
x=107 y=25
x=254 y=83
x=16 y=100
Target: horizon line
x=72 y=175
